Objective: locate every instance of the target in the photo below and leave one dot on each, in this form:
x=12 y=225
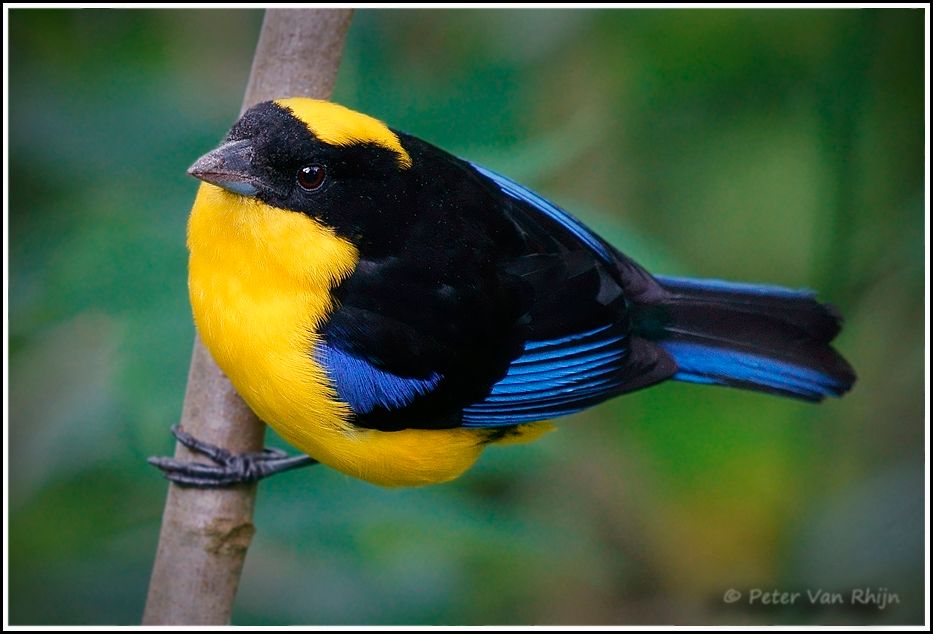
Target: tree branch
x=206 y=532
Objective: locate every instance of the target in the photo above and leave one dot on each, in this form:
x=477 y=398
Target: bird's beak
x=229 y=167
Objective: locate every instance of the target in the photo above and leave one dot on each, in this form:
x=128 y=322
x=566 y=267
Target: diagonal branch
x=206 y=532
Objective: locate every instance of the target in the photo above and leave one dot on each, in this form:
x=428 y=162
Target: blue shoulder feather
x=364 y=386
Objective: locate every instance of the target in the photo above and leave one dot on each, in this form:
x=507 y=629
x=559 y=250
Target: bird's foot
x=229 y=468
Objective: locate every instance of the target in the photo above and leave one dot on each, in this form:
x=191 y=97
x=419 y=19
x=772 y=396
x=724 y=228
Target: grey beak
x=229 y=167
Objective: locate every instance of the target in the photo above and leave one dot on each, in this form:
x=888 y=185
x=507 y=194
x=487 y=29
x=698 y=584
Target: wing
x=559 y=375
x=487 y=307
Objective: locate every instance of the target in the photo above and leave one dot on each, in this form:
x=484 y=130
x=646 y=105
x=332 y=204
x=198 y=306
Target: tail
x=763 y=338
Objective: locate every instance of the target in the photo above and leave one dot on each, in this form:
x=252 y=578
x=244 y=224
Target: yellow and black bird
x=391 y=309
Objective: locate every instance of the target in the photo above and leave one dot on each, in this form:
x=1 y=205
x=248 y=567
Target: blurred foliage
x=775 y=146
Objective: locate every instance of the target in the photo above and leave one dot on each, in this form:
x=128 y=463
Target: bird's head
x=309 y=156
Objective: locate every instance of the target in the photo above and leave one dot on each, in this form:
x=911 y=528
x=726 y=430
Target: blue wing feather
x=559 y=376
x=562 y=217
x=554 y=378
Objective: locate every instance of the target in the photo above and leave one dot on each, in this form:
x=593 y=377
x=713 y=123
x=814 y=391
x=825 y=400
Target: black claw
x=215 y=453
x=229 y=469
x=274 y=452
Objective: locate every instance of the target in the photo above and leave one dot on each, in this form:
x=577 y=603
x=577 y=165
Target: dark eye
x=311 y=177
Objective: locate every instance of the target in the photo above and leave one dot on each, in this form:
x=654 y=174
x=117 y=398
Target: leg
x=229 y=469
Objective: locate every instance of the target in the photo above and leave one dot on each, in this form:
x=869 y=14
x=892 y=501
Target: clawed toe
x=229 y=469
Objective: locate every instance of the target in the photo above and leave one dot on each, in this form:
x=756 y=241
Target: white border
x=6 y=296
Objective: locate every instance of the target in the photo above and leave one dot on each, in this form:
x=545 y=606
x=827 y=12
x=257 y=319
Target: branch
x=206 y=532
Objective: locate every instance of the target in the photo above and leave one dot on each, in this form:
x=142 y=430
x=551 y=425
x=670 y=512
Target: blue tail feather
x=700 y=363
x=759 y=337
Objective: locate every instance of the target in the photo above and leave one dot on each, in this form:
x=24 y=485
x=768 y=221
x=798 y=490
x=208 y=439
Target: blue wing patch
x=555 y=378
x=364 y=386
x=571 y=224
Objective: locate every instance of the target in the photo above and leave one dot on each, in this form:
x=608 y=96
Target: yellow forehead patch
x=337 y=125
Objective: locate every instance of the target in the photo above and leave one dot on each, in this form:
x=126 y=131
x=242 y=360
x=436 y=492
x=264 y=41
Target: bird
x=391 y=310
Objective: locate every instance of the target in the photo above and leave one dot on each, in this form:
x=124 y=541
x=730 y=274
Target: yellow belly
x=259 y=281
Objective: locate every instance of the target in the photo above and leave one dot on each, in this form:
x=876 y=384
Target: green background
x=775 y=146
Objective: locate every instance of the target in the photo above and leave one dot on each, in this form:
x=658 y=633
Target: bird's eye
x=311 y=178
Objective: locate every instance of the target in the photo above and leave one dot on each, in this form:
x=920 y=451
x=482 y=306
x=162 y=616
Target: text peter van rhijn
x=879 y=598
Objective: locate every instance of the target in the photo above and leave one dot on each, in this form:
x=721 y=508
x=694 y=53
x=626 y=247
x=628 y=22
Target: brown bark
x=206 y=532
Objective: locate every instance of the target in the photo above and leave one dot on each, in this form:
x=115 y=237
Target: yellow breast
x=260 y=281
